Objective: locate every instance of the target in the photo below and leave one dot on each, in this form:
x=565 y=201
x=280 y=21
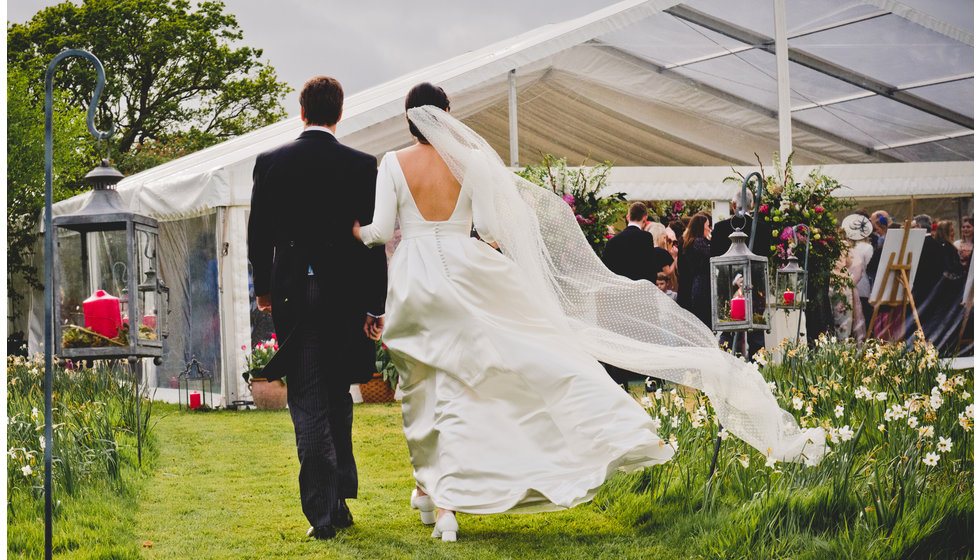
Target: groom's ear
x=302 y=114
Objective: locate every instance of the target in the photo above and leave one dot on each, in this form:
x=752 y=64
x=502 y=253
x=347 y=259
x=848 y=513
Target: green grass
x=225 y=487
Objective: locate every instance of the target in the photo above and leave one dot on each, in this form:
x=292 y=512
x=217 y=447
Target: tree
x=72 y=157
x=169 y=70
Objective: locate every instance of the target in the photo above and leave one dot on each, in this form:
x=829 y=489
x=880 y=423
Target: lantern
x=109 y=301
x=791 y=285
x=739 y=288
x=194 y=387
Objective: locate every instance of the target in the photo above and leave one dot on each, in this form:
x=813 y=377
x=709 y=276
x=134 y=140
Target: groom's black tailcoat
x=323 y=283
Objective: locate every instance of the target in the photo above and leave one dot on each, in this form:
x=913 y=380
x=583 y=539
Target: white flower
x=889 y=416
x=744 y=460
x=846 y=433
x=913 y=421
x=969 y=411
x=647 y=402
x=34 y=413
x=672 y=440
x=771 y=462
x=897 y=411
x=797 y=402
x=964 y=421
x=658 y=394
x=809 y=409
x=966 y=395
x=664 y=411
x=926 y=432
x=657 y=423
x=931 y=459
x=772 y=386
x=945 y=444
x=675 y=421
x=27 y=470
x=941 y=379
x=12 y=453
x=935 y=401
x=959 y=380
x=834 y=434
x=41 y=440
x=839 y=410
x=723 y=434
x=881 y=427
x=649 y=382
x=881 y=396
x=678 y=401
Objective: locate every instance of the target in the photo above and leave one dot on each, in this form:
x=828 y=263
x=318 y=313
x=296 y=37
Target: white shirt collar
x=320 y=128
x=636 y=224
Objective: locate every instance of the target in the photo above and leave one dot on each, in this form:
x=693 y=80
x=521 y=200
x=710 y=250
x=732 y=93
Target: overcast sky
x=363 y=43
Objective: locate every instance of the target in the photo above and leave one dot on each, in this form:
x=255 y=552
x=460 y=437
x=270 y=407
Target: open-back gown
x=501 y=412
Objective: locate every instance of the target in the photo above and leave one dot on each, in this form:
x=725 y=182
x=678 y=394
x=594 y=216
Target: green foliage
x=582 y=189
x=169 y=68
x=94 y=438
x=897 y=483
x=384 y=365
x=72 y=157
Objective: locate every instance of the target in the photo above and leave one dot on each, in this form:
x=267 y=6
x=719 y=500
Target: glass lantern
x=109 y=300
x=791 y=285
x=194 y=387
x=739 y=288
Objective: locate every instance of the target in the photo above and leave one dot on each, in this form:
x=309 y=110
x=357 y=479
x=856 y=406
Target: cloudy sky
x=367 y=42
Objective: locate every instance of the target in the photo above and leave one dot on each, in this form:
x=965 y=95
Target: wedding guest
x=941 y=312
x=668 y=242
x=964 y=245
x=857 y=229
x=662 y=284
x=695 y=275
x=930 y=268
x=677 y=228
x=631 y=253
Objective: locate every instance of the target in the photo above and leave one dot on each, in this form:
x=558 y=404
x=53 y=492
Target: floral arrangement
x=668 y=211
x=259 y=357
x=382 y=362
x=581 y=188
x=785 y=204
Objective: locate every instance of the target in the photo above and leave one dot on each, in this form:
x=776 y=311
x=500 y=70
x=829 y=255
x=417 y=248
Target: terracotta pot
x=268 y=395
x=377 y=390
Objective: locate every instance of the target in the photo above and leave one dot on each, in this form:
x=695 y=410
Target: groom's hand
x=264 y=303
x=373 y=327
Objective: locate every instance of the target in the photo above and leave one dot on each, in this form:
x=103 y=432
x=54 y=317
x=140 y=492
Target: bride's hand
x=357 y=230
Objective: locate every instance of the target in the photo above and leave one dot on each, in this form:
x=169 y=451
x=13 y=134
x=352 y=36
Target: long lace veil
x=629 y=324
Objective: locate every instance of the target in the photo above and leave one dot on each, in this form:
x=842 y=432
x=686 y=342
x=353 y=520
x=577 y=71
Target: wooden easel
x=900 y=289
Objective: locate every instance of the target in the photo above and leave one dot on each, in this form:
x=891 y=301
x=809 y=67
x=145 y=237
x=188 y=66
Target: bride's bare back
x=432 y=185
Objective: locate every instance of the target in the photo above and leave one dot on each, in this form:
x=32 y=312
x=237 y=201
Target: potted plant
x=381 y=387
x=267 y=395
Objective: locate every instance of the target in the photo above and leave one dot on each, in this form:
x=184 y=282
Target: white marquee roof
x=674 y=95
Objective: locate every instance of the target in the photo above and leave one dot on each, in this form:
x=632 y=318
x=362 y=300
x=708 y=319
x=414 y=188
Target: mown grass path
x=225 y=487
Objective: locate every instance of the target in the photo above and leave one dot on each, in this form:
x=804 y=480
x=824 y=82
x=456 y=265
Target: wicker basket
x=377 y=390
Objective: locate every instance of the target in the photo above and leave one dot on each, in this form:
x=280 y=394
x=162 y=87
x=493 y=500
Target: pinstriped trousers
x=323 y=413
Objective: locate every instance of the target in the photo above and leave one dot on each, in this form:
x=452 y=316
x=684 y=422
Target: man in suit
x=720 y=243
x=325 y=290
x=631 y=253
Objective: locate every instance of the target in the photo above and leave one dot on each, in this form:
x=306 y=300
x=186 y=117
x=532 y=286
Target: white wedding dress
x=505 y=405
x=501 y=411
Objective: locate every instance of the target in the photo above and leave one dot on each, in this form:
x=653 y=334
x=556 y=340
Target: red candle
x=788 y=297
x=195 y=399
x=102 y=314
x=150 y=321
x=738 y=308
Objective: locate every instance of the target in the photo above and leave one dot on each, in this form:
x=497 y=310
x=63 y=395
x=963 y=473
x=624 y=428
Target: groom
x=325 y=290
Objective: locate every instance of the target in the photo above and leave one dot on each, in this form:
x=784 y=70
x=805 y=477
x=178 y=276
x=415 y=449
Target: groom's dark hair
x=322 y=99
x=425 y=94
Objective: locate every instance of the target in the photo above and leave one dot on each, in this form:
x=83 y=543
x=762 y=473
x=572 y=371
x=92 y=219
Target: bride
x=505 y=405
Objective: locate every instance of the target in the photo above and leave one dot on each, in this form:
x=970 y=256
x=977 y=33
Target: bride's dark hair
x=425 y=94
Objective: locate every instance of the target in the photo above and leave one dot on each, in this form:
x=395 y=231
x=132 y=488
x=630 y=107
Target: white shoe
x=446 y=527
x=425 y=506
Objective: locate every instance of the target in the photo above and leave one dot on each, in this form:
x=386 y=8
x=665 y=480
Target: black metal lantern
x=109 y=300
x=791 y=285
x=739 y=288
x=194 y=387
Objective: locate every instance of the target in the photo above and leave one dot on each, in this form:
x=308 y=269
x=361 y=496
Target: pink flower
x=787 y=233
x=609 y=236
x=818 y=209
x=275 y=346
x=764 y=208
x=678 y=205
x=244 y=346
x=273 y=336
x=569 y=199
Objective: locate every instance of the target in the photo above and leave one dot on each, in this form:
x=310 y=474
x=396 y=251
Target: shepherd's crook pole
x=49 y=291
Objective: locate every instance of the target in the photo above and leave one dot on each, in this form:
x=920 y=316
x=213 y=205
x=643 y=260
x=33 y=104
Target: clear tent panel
x=950 y=149
x=801 y=15
x=890 y=49
x=957 y=95
x=668 y=41
x=877 y=122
